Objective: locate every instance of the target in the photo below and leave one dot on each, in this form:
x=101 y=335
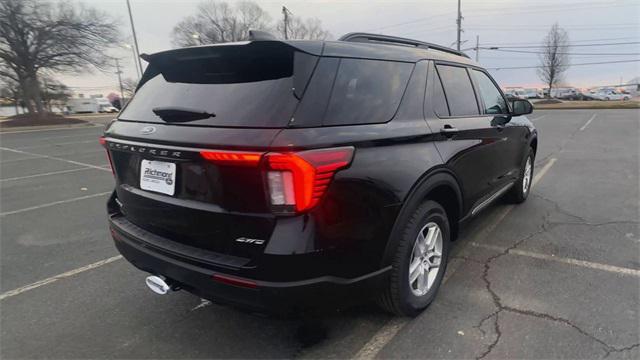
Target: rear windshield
x=251 y=85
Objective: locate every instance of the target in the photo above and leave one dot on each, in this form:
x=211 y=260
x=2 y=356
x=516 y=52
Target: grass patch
x=630 y=104
x=35 y=120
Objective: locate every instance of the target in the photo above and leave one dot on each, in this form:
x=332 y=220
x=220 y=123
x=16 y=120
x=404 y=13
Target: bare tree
x=299 y=29
x=554 y=58
x=37 y=36
x=217 y=22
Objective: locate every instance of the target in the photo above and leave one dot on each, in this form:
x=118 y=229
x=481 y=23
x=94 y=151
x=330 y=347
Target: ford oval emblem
x=147 y=130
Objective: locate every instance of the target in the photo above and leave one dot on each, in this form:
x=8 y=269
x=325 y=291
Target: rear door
x=469 y=144
x=513 y=136
x=185 y=149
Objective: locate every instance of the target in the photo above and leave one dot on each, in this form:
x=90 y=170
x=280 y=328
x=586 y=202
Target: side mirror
x=521 y=107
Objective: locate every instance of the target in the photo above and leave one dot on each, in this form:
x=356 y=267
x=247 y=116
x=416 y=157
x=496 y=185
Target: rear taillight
x=103 y=142
x=295 y=181
x=236 y=158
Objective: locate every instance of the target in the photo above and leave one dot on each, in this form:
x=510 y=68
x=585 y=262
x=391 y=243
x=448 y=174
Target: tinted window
x=439 y=101
x=251 y=85
x=366 y=91
x=493 y=101
x=458 y=89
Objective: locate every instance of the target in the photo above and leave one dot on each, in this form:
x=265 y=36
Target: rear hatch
x=227 y=100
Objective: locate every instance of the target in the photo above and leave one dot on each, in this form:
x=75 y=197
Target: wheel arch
x=439 y=185
x=534 y=144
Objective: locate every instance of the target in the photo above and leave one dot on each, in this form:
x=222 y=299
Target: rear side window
x=439 y=100
x=458 y=90
x=249 y=85
x=493 y=101
x=366 y=91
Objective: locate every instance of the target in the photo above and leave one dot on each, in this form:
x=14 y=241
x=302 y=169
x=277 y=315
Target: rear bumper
x=199 y=274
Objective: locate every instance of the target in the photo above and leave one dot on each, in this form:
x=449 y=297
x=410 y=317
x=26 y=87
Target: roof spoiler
x=258 y=35
x=376 y=38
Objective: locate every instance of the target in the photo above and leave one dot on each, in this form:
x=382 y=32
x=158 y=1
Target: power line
x=429 y=31
x=564 y=7
x=578 y=64
x=418 y=20
x=574 y=45
x=572 y=42
x=559 y=53
x=545 y=27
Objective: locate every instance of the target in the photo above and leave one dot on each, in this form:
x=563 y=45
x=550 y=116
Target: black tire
x=398 y=298
x=517 y=194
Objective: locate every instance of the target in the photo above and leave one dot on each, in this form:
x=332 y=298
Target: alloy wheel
x=426 y=258
x=526 y=179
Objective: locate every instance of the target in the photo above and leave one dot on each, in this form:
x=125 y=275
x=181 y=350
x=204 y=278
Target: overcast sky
x=496 y=22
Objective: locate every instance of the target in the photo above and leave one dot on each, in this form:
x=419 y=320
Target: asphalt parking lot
x=555 y=277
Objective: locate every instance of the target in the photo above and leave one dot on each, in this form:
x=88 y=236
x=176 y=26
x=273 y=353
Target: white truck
x=532 y=93
x=611 y=94
x=90 y=105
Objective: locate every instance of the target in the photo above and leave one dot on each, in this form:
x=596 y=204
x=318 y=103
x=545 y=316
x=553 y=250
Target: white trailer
x=90 y=105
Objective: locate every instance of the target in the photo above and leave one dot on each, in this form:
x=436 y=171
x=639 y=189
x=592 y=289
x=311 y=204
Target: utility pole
x=286 y=14
x=459 y=23
x=120 y=83
x=135 y=39
x=477 y=46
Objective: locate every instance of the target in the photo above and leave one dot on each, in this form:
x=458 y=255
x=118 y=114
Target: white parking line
x=92 y=141
x=588 y=122
x=54 y=158
x=543 y=171
x=388 y=331
x=6 y=213
x=564 y=260
x=53 y=129
x=95 y=134
x=67 y=274
x=49 y=173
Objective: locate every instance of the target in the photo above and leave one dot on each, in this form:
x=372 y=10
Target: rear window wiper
x=178 y=114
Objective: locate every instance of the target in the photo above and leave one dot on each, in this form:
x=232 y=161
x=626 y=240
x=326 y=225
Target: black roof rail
x=367 y=37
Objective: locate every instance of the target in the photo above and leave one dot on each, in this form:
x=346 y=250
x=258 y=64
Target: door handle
x=448 y=131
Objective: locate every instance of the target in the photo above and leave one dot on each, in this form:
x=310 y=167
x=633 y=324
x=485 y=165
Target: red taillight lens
x=235 y=158
x=299 y=180
x=103 y=142
x=296 y=181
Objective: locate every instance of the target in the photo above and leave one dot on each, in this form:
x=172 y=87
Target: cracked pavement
x=508 y=306
x=498 y=302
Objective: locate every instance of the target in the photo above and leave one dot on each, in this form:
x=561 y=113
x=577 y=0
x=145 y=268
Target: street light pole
x=135 y=59
x=135 y=38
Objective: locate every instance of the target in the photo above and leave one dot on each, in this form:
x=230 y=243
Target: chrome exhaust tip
x=157 y=284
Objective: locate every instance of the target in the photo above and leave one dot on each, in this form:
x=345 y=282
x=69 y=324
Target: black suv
x=278 y=175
